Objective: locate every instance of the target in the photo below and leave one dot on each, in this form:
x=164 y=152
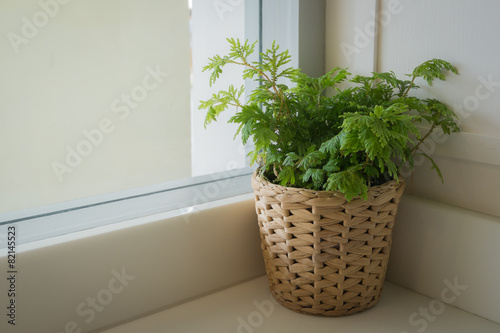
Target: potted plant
x=328 y=186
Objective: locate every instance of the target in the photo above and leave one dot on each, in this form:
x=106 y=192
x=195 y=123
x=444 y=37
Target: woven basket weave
x=324 y=255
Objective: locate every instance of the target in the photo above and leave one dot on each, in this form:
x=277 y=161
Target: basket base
x=323 y=312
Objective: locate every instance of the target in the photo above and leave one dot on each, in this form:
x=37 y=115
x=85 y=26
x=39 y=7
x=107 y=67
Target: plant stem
x=422 y=140
x=261 y=73
x=410 y=86
x=276 y=92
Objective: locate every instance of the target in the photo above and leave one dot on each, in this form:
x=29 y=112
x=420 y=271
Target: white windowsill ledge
x=247 y=308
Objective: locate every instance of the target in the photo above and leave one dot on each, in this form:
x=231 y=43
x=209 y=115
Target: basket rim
x=263 y=182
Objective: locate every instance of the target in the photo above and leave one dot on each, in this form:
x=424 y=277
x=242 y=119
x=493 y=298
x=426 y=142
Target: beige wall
x=66 y=67
x=463 y=32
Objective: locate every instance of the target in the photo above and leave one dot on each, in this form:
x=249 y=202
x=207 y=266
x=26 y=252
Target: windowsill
x=175 y=258
x=246 y=308
x=132 y=268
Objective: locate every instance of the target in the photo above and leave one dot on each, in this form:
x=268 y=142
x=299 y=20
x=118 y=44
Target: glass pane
x=97 y=96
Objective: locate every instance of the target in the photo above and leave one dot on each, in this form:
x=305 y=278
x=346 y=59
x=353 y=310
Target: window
x=99 y=106
x=99 y=115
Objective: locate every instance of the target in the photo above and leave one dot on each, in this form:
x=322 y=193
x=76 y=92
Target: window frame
x=182 y=195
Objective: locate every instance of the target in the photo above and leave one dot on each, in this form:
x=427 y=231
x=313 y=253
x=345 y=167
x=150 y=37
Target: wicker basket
x=323 y=255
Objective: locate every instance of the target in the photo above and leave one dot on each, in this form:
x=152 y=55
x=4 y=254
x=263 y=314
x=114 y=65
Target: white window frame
x=294 y=25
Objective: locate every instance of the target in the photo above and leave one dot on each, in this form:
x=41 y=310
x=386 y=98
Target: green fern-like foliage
x=350 y=140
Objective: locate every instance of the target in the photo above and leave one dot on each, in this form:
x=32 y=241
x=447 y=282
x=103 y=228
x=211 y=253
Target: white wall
x=65 y=67
x=411 y=32
x=345 y=46
x=464 y=33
